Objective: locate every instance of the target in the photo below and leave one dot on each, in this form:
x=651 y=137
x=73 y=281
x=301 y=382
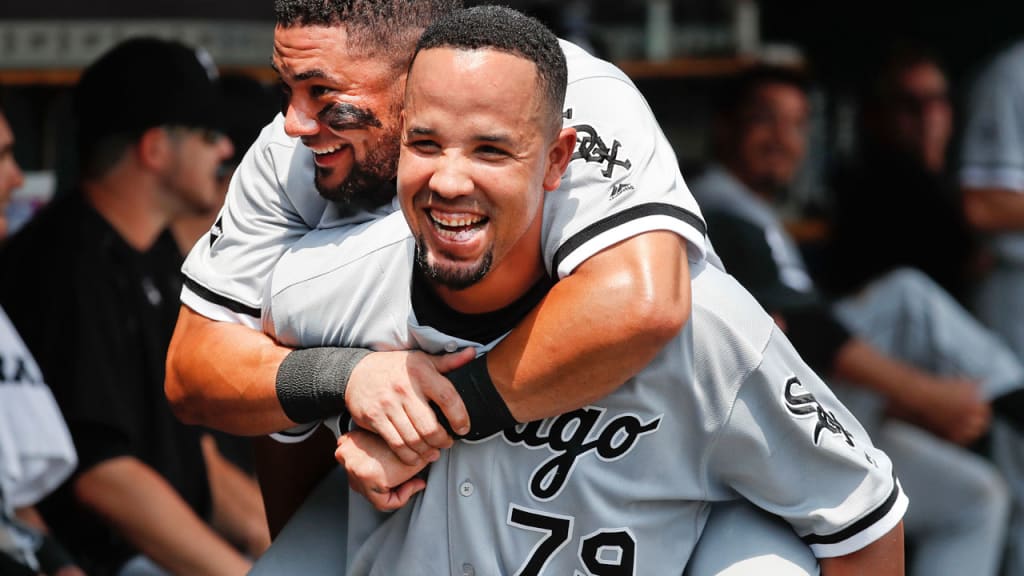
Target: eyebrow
x=302 y=76
x=496 y=138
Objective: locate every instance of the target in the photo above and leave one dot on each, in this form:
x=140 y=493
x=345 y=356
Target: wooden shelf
x=69 y=76
x=696 y=67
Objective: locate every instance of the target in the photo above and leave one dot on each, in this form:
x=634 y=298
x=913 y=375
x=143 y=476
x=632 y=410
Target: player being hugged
x=727 y=411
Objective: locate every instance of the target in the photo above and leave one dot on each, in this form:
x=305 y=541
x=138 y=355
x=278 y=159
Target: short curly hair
x=379 y=27
x=506 y=30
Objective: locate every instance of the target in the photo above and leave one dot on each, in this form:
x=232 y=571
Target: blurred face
x=770 y=137
x=920 y=118
x=11 y=177
x=193 y=174
x=344 y=105
x=477 y=156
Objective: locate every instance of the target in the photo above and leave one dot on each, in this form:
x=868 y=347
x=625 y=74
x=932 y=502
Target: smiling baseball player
x=727 y=411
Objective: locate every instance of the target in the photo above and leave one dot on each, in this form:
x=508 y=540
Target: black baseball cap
x=146 y=82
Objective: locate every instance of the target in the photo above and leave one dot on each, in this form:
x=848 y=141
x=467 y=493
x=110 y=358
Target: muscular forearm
x=883 y=557
x=994 y=210
x=222 y=375
x=595 y=329
x=151 y=515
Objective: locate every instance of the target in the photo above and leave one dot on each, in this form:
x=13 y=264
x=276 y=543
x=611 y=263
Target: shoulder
x=729 y=326
x=584 y=66
x=327 y=250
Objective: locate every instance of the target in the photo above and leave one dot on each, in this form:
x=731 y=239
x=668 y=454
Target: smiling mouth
x=326 y=152
x=456 y=227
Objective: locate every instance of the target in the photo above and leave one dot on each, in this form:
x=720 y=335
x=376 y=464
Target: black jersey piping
x=214 y=298
x=616 y=220
x=860 y=525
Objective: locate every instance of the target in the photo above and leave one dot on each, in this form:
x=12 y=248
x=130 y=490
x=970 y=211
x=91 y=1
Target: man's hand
x=389 y=393
x=950 y=407
x=375 y=472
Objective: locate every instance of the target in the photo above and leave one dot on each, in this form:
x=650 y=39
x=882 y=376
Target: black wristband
x=311 y=382
x=488 y=412
x=52 y=556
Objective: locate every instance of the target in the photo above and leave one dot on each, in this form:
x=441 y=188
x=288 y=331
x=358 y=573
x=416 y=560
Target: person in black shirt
x=895 y=205
x=93 y=288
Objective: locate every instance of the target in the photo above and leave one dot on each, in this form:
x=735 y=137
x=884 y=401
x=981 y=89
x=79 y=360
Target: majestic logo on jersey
x=803 y=404
x=573 y=435
x=591 y=148
x=15 y=370
x=217 y=231
x=620 y=189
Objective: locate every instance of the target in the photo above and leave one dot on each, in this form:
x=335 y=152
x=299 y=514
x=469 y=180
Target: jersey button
x=466 y=489
x=468 y=570
x=451 y=346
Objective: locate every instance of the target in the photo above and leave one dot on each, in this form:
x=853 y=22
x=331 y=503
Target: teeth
x=322 y=151
x=455 y=220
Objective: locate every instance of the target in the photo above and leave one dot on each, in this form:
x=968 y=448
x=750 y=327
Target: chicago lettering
x=15 y=370
x=572 y=435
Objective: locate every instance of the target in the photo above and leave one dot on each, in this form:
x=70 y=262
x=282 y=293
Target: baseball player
x=726 y=411
x=991 y=176
x=343 y=106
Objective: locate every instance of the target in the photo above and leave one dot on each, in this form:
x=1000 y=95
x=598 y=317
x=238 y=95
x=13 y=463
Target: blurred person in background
x=93 y=286
x=906 y=121
x=901 y=347
x=991 y=177
x=36 y=452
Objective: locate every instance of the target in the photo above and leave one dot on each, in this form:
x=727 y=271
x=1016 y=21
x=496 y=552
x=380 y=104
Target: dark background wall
x=839 y=40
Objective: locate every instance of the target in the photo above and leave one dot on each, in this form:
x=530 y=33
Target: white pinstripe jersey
x=727 y=410
x=623 y=179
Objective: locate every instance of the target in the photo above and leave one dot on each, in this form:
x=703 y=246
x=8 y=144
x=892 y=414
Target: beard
x=370 y=184
x=451 y=277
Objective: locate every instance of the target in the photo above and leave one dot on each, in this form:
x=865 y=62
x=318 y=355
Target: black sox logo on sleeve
x=803 y=403
x=591 y=148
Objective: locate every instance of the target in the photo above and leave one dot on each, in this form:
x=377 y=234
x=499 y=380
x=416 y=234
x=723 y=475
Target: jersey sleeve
x=790 y=447
x=271 y=203
x=623 y=179
x=992 y=153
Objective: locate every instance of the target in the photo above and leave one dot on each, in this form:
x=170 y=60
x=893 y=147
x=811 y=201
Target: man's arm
x=883 y=557
x=950 y=407
x=596 y=328
x=994 y=209
x=222 y=375
x=237 y=504
x=150 y=514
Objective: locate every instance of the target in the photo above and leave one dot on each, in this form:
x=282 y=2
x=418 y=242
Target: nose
x=225 y=148
x=451 y=177
x=11 y=176
x=298 y=121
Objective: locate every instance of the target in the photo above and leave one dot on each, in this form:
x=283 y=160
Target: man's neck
x=130 y=206
x=432 y=311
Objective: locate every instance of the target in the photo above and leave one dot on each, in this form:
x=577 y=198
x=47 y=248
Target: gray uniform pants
x=999 y=303
x=958 y=501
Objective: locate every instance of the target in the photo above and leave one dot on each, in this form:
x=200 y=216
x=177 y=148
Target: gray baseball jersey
x=622 y=178
x=992 y=154
x=726 y=411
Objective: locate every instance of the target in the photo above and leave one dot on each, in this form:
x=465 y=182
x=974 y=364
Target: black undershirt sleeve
x=809 y=323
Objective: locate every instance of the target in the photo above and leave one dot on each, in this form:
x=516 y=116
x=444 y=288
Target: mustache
x=341 y=116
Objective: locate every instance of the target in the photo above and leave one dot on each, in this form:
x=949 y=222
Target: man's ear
x=154 y=148
x=559 y=155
